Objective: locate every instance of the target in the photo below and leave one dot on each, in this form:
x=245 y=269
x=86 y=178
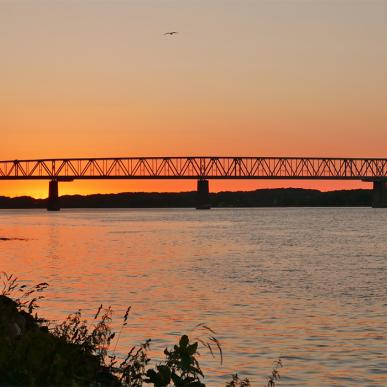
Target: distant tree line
x=281 y=197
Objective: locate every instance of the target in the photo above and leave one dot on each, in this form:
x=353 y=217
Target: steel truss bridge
x=196 y=168
x=199 y=168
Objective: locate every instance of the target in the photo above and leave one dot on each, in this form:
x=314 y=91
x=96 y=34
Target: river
x=305 y=284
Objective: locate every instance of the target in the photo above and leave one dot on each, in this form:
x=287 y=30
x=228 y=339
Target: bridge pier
x=203 y=198
x=53 y=197
x=379 y=194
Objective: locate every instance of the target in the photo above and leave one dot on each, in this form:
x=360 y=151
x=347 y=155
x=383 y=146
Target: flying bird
x=171 y=33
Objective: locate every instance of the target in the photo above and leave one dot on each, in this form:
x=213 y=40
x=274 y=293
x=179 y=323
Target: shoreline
x=265 y=198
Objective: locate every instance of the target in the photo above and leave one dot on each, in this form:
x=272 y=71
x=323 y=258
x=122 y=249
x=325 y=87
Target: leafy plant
x=181 y=366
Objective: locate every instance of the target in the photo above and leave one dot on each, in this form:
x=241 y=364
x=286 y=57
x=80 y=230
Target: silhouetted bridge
x=201 y=169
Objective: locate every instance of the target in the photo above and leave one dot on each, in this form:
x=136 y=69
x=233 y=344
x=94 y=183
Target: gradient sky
x=250 y=78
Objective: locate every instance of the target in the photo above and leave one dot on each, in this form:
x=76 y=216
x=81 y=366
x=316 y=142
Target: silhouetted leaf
x=184 y=341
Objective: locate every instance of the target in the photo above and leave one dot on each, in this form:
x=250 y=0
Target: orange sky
x=249 y=78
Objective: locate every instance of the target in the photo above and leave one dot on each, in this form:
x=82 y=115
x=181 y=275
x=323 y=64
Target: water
x=306 y=284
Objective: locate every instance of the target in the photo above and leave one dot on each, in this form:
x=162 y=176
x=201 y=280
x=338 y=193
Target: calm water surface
x=309 y=285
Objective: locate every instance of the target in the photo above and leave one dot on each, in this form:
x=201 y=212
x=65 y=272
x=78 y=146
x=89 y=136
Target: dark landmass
x=282 y=197
x=31 y=356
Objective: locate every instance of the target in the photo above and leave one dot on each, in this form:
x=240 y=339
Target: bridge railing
x=196 y=168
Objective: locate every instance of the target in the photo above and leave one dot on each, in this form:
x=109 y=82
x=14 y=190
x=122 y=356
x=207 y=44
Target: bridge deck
x=196 y=168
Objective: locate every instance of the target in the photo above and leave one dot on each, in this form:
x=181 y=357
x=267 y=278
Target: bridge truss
x=196 y=168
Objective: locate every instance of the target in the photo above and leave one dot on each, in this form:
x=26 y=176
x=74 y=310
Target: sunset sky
x=245 y=78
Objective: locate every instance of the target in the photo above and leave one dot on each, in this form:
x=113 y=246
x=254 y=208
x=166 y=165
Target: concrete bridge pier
x=203 y=197
x=53 y=197
x=379 y=194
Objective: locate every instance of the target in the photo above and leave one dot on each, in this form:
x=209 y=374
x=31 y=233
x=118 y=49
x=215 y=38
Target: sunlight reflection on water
x=306 y=284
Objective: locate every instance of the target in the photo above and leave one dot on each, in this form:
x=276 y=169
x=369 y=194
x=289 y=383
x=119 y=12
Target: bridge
x=201 y=168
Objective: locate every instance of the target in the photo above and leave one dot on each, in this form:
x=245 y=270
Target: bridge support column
x=53 y=197
x=379 y=194
x=203 y=198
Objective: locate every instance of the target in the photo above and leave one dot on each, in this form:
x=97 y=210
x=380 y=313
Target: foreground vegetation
x=35 y=352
